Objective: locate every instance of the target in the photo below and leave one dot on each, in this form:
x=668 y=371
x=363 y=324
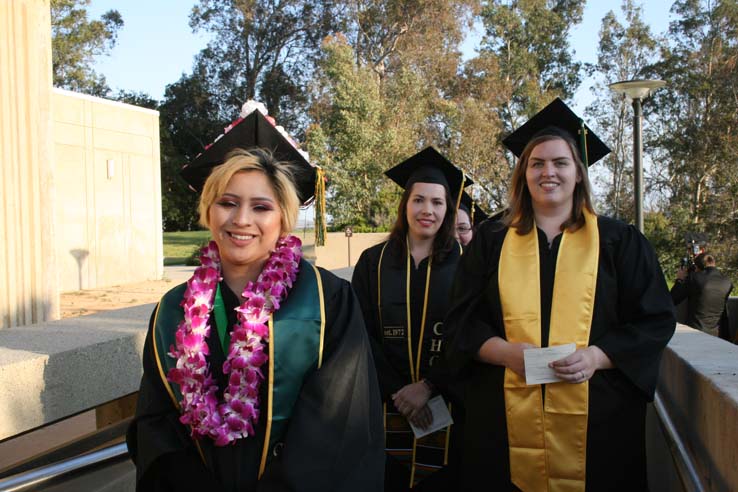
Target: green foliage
x=350 y=137
x=188 y=120
x=360 y=229
x=383 y=92
x=696 y=139
x=77 y=41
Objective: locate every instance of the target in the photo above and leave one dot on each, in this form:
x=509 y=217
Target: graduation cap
x=556 y=119
x=471 y=207
x=253 y=131
x=429 y=166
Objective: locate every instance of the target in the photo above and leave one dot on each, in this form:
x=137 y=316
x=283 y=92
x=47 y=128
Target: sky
x=156 y=45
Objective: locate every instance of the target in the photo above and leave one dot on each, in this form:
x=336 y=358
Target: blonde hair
x=278 y=173
x=519 y=213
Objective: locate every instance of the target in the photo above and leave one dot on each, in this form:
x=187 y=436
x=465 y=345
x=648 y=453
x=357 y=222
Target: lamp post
x=637 y=90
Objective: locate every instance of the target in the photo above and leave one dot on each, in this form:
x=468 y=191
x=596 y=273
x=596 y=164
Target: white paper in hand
x=441 y=417
x=537 y=360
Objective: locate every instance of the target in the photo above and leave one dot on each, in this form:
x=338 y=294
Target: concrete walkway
x=84 y=302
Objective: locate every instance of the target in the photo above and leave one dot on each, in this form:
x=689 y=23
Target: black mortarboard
x=476 y=214
x=555 y=118
x=429 y=166
x=253 y=131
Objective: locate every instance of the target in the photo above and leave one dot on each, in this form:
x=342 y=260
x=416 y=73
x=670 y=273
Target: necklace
x=233 y=417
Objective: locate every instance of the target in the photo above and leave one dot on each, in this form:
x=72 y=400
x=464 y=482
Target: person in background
x=258 y=372
x=403 y=287
x=468 y=218
x=464 y=231
x=706 y=291
x=554 y=273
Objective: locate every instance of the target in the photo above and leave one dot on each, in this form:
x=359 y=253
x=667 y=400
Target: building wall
x=107 y=170
x=335 y=253
x=28 y=282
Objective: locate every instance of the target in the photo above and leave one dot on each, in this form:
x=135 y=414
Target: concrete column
x=28 y=276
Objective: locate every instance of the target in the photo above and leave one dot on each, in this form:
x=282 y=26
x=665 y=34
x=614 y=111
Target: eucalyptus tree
x=625 y=51
x=697 y=138
x=77 y=41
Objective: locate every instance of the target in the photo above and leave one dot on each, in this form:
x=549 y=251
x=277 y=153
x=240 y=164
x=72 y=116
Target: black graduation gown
x=334 y=440
x=632 y=322
x=390 y=352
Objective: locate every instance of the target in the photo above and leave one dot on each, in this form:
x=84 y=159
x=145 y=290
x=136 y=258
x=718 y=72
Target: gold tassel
x=320 y=226
x=461 y=190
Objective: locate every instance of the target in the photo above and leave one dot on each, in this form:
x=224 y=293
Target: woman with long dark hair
x=553 y=273
x=403 y=287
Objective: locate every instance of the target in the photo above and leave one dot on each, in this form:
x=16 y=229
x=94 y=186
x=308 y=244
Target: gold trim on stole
x=321 y=299
x=270 y=398
x=166 y=382
x=548 y=444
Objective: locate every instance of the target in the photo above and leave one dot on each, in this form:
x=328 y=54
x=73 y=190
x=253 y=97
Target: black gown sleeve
x=364 y=283
x=335 y=439
x=646 y=319
x=470 y=321
x=157 y=442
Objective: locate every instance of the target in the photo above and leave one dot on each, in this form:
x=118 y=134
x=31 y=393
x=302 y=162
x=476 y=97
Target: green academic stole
x=430 y=452
x=548 y=443
x=296 y=333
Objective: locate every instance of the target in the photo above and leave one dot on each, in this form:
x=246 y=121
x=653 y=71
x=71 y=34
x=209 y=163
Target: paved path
x=84 y=302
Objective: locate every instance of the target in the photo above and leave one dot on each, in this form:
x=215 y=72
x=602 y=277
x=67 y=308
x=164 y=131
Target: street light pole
x=638 y=161
x=637 y=90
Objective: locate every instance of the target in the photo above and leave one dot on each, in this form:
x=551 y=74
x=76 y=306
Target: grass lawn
x=178 y=246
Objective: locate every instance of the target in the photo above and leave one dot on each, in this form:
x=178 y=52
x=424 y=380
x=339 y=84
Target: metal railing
x=683 y=461
x=32 y=478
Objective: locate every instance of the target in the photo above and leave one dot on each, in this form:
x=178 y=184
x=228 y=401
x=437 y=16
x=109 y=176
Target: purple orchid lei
x=235 y=416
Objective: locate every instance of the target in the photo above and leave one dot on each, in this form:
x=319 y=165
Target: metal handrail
x=26 y=479
x=682 y=459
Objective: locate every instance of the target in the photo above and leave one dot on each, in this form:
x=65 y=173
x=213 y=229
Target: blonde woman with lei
x=258 y=373
x=553 y=273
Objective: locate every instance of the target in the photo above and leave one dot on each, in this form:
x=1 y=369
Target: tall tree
x=624 y=52
x=529 y=40
x=697 y=135
x=349 y=111
x=75 y=43
x=477 y=130
x=188 y=121
x=265 y=50
x=382 y=92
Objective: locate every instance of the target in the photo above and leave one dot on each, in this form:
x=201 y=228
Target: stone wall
x=28 y=288
x=108 y=224
x=335 y=253
x=698 y=384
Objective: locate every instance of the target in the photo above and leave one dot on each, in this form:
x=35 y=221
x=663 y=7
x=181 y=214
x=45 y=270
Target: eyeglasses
x=463 y=229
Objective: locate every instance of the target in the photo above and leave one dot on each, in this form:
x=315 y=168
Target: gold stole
x=548 y=443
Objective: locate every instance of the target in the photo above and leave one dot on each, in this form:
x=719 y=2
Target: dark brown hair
x=519 y=214
x=444 y=240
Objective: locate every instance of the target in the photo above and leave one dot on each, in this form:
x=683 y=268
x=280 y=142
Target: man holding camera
x=706 y=291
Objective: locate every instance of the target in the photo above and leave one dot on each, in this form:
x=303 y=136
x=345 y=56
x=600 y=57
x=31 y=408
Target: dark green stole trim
x=296 y=340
